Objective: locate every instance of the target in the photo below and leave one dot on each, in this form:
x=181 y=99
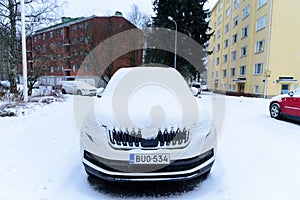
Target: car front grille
x=178 y=138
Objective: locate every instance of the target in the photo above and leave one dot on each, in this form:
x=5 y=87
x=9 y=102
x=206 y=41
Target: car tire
x=63 y=91
x=275 y=111
x=79 y=92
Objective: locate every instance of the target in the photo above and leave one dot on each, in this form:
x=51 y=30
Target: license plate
x=161 y=158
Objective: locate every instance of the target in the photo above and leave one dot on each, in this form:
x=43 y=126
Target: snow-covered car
x=204 y=86
x=148 y=126
x=5 y=84
x=77 y=87
x=198 y=86
x=286 y=105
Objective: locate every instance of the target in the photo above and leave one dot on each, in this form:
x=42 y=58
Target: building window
x=51 y=69
x=244 y=51
x=226 y=43
x=258 y=68
x=219 y=34
x=51 y=46
x=218 y=47
x=260 y=46
x=44 y=36
x=246 y=12
x=227 y=28
x=243 y=70
x=261 y=23
x=51 y=34
x=73 y=28
x=74 y=68
x=261 y=3
x=245 y=31
x=256 y=89
x=212 y=75
x=225 y=58
x=233 y=87
x=217 y=74
x=228 y=12
x=87 y=68
x=233 y=55
x=232 y=72
x=220 y=5
x=224 y=72
x=86 y=25
x=217 y=61
x=234 y=38
x=215 y=25
x=220 y=20
x=236 y=4
x=87 y=39
x=236 y=21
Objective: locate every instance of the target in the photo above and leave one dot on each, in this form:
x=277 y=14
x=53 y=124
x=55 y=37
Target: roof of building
x=67 y=21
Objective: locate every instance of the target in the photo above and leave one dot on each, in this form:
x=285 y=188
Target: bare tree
x=139 y=19
x=38 y=12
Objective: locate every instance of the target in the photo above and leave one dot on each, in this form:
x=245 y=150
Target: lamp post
x=24 y=58
x=175 y=49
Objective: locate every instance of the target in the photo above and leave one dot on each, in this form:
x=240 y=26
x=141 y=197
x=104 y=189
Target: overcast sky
x=78 y=8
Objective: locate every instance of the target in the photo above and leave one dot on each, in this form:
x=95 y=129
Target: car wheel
x=275 y=111
x=63 y=91
x=79 y=92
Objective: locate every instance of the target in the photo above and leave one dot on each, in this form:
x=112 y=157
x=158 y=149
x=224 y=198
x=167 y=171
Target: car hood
x=156 y=104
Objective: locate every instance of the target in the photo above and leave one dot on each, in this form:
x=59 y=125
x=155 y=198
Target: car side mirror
x=194 y=91
x=291 y=93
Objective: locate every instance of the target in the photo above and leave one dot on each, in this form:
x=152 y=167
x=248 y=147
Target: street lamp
x=171 y=19
x=24 y=58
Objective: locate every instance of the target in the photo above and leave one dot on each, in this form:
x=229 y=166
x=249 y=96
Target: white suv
x=147 y=126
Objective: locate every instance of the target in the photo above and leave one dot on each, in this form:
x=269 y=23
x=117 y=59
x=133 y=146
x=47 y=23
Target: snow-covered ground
x=257 y=159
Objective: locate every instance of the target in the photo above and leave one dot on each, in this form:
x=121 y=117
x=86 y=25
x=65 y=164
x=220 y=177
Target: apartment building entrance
x=241 y=87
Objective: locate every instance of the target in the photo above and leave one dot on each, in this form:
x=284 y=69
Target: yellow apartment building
x=256 y=47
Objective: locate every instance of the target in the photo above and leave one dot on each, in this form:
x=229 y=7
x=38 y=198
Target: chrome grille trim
x=172 y=138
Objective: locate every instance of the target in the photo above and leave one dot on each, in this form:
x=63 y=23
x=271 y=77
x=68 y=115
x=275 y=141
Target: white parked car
x=198 y=86
x=147 y=126
x=78 y=88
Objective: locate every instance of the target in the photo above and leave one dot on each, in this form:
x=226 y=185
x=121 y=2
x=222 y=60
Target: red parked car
x=286 y=106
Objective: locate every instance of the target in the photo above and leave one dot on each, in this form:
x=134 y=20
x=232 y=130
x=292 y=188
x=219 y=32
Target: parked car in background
x=204 y=86
x=148 y=129
x=286 y=106
x=77 y=88
x=198 y=86
x=5 y=84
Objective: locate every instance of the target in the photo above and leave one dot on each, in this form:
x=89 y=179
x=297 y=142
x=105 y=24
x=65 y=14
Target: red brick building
x=58 y=51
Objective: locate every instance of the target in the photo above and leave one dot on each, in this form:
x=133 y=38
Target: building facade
x=256 y=47
x=58 y=52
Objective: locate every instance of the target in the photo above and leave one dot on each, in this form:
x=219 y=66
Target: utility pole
x=24 y=56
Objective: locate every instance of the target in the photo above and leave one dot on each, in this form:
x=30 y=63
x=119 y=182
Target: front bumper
x=181 y=169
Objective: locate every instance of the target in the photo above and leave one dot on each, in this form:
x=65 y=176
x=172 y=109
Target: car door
x=291 y=106
x=297 y=106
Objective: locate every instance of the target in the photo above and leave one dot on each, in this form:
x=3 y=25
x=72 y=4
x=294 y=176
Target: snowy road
x=257 y=159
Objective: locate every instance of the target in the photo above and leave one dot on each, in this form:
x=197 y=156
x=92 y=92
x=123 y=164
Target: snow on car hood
x=149 y=98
